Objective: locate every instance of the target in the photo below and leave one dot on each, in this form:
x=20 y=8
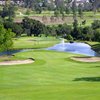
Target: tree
x=56 y=13
x=69 y=37
x=28 y=3
x=75 y=24
x=74 y=10
x=68 y=1
x=33 y=27
x=38 y=8
x=60 y=5
x=95 y=4
x=96 y=24
x=5 y=39
x=51 y=30
x=80 y=10
x=75 y=29
x=67 y=10
x=8 y=11
x=88 y=33
x=51 y=6
x=97 y=35
x=63 y=30
x=87 y=6
x=15 y=27
x=27 y=12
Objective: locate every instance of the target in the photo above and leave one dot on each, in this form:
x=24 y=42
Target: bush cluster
x=33 y=27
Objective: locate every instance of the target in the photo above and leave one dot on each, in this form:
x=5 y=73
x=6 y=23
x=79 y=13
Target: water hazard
x=77 y=48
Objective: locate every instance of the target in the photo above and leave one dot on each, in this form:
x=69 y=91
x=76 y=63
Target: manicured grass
x=10 y=58
x=34 y=42
x=53 y=76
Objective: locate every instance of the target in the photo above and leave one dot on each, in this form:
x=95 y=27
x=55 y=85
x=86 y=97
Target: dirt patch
x=17 y=62
x=49 y=20
x=86 y=59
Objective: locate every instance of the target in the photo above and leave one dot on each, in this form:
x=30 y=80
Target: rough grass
x=88 y=16
x=95 y=46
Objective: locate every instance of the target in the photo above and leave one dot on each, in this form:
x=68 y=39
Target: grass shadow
x=90 y=79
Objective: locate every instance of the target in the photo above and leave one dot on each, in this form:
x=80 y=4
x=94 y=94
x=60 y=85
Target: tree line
x=30 y=27
x=56 y=5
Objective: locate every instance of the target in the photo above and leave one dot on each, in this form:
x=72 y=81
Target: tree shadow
x=96 y=47
x=97 y=66
x=90 y=79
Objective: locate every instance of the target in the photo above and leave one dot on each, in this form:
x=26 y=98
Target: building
x=19 y=2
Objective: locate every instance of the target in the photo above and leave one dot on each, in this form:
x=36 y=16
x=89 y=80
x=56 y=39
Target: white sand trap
x=17 y=62
x=87 y=59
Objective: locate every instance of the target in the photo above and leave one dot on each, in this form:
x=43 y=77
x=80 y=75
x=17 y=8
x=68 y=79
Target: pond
x=77 y=48
x=11 y=52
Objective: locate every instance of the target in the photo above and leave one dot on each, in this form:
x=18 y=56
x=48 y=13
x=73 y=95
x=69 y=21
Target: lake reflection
x=78 y=48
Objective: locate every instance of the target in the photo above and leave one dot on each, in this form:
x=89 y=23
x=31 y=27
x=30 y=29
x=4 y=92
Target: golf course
x=49 y=49
x=52 y=76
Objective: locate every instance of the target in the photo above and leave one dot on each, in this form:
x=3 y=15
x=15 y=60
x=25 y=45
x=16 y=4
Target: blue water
x=77 y=48
x=11 y=52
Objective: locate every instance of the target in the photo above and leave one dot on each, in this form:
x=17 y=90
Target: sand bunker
x=87 y=59
x=17 y=62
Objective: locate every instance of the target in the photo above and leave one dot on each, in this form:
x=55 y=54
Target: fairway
x=49 y=49
x=53 y=76
x=34 y=42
